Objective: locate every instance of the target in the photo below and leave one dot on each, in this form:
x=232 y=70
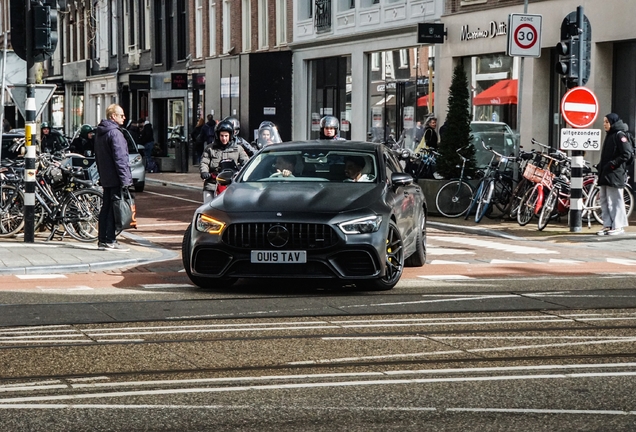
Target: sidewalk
x=69 y=256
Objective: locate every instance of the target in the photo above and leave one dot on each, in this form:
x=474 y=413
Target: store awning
x=502 y=93
x=422 y=101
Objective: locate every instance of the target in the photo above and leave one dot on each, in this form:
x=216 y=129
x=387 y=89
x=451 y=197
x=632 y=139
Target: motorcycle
x=226 y=172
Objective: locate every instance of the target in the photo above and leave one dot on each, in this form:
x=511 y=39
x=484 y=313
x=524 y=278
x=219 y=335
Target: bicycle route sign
x=579 y=107
x=524 y=37
x=580 y=139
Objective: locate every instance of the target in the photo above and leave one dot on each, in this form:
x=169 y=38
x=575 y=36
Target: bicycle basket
x=538 y=175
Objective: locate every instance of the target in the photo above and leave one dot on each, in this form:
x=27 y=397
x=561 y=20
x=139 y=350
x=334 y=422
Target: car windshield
x=311 y=165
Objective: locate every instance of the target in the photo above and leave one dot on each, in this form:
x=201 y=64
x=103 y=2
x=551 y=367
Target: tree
x=457 y=130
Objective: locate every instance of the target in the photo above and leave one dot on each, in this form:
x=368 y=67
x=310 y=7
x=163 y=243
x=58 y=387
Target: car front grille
x=302 y=236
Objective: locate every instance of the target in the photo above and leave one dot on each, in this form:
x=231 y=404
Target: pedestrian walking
x=612 y=172
x=430 y=138
x=111 y=155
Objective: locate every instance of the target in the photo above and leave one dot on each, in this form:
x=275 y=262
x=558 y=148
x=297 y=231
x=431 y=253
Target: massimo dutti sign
x=494 y=29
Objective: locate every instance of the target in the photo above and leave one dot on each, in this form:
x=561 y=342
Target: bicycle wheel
x=548 y=208
x=483 y=203
x=80 y=214
x=11 y=205
x=475 y=197
x=503 y=194
x=526 y=207
x=517 y=195
x=628 y=198
x=453 y=199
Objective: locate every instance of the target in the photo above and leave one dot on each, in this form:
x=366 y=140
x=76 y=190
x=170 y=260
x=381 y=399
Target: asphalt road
x=492 y=334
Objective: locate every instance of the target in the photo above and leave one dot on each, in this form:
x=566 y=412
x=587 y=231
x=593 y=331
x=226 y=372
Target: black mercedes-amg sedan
x=339 y=210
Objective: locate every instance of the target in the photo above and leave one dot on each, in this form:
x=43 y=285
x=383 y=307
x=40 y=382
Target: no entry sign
x=579 y=107
x=524 y=37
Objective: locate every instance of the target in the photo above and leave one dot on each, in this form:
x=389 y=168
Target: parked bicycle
x=495 y=187
x=453 y=198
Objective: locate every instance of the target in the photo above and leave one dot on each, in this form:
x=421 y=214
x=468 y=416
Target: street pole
x=576 y=180
x=29 y=132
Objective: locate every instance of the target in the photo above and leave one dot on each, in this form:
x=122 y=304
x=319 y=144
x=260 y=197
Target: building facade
x=477 y=38
x=360 y=60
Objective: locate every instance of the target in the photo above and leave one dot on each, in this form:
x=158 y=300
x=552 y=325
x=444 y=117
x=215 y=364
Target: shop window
x=330 y=93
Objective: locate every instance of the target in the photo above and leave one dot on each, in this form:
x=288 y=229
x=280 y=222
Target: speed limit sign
x=524 y=35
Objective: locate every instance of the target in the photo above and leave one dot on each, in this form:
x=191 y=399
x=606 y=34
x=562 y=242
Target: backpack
x=632 y=142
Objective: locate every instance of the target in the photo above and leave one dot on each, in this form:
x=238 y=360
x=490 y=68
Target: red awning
x=422 y=101
x=502 y=93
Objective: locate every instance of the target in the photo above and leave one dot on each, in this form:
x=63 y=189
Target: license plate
x=279 y=257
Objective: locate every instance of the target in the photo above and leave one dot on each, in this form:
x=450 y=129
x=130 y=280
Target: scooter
x=227 y=171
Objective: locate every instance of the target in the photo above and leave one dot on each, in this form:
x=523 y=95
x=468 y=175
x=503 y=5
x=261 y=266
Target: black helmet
x=236 y=124
x=45 y=125
x=224 y=126
x=85 y=129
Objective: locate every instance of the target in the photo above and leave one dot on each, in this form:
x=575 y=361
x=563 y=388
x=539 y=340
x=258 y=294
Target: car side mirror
x=401 y=179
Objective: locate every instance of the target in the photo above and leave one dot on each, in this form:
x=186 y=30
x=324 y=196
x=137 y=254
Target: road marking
x=513 y=248
x=41 y=276
x=174 y=197
x=445 y=277
x=434 y=250
x=163 y=224
x=621 y=261
x=163 y=237
x=563 y=261
x=311 y=385
x=448 y=262
x=165 y=286
x=501 y=261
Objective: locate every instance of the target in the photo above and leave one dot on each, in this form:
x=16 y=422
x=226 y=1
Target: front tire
x=139 y=186
x=548 y=207
x=526 y=206
x=484 y=201
x=453 y=199
x=394 y=263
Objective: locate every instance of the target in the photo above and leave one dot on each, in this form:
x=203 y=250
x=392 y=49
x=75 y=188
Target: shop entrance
x=394 y=116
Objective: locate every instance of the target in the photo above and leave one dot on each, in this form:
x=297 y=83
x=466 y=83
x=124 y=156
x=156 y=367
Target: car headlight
x=135 y=160
x=363 y=225
x=209 y=225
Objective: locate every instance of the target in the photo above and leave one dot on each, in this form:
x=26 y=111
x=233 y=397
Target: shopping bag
x=124 y=210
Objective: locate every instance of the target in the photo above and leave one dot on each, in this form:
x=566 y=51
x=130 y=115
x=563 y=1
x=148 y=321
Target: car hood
x=295 y=196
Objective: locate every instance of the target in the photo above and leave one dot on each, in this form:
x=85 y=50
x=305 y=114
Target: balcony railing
x=323 y=16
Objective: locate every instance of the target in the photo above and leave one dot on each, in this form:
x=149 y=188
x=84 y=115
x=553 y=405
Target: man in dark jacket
x=612 y=172
x=51 y=140
x=207 y=131
x=111 y=155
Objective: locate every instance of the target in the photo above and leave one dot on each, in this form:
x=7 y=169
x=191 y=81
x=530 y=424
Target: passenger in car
x=353 y=169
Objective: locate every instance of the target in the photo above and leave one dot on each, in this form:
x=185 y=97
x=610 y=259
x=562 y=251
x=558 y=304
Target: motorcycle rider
x=84 y=143
x=329 y=128
x=51 y=140
x=267 y=134
x=223 y=147
x=236 y=124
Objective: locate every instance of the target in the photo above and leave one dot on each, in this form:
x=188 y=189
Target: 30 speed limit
x=524 y=35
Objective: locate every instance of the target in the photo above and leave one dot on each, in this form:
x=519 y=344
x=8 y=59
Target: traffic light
x=44 y=21
x=18 y=28
x=569 y=61
x=574 y=49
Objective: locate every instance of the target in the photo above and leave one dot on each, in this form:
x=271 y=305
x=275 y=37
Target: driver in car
x=223 y=147
x=284 y=166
